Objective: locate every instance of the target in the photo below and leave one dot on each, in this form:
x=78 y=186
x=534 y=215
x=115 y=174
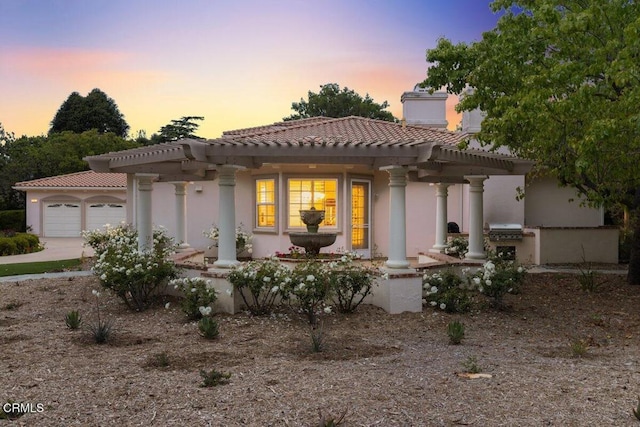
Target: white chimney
x=421 y=108
x=471 y=120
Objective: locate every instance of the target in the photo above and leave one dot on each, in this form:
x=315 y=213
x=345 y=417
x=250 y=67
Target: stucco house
x=388 y=189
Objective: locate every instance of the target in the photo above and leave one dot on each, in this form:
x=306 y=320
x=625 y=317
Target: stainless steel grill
x=500 y=232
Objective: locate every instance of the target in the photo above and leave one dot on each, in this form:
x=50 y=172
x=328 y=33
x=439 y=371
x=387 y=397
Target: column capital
x=397 y=175
x=227 y=174
x=474 y=179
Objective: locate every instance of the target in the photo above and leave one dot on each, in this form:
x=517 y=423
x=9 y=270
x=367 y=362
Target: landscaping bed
x=558 y=356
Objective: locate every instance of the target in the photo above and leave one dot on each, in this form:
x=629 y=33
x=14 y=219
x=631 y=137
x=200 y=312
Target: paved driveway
x=55 y=248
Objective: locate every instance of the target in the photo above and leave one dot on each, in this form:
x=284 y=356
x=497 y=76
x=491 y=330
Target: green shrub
x=196 y=293
x=13 y=220
x=498 y=277
x=209 y=328
x=132 y=275
x=8 y=246
x=350 y=283
x=22 y=244
x=34 y=241
x=214 y=378
x=261 y=283
x=310 y=288
x=455 y=331
x=73 y=319
x=447 y=291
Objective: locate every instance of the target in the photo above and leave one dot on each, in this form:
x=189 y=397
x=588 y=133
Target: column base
x=475 y=255
x=401 y=291
x=222 y=263
x=438 y=249
x=397 y=264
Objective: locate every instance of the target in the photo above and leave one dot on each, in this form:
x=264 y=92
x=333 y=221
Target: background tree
x=95 y=111
x=30 y=158
x=333 y=102
x=185 y=127
x=559 y=81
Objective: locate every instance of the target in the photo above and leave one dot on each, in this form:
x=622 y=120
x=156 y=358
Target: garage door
x=62 y=219
x=99 y=214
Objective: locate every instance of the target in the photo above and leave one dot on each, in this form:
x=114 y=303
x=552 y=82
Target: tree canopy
x=184 y=127
x=559 y=82
x=28 y=158
x=95 y=111
x=333 y=102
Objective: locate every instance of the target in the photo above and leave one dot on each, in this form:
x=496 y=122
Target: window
x=319 y=193
x=266 y=203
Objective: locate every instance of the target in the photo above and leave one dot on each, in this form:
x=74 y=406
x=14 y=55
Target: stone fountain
x=312 y=240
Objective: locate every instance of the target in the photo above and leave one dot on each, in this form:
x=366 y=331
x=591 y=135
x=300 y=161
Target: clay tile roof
x=86 y=179
x=353 y=130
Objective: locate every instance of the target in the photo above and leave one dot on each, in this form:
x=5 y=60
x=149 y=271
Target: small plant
x=101 y=329
x=197 y=292
x=13 y=305
x=471 y=365
x=457 y=247
x=498 y=277
x=350 y=283
x=309 y=289
x=589 y=280
x=208 y=327
x=160 y=360
x=243 y=238
x=330 y=421
x=317 y=337
x=13 y=413
x=261 y=284
x=579 y=348
x=214 y=378
x=455 y=331
x=636 y=410
x=447 y=291
x=73 y=319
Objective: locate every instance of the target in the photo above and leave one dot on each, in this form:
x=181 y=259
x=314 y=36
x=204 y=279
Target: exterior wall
x=500 y=204
x=35 y=200
x=576 y=245
x=548 y=205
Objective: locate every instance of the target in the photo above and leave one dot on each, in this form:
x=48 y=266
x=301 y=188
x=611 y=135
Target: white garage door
x=99 y=214
x=62 y=219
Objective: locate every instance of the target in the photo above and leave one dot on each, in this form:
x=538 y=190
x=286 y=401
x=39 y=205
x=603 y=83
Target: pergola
x=404 y=152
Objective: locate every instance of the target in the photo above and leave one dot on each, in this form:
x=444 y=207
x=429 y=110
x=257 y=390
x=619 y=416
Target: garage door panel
x=99 y=214
x=62 y=219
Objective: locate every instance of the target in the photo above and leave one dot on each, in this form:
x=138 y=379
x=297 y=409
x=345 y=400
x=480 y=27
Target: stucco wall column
x=181 y=215
x=397 y=218
x=476 y=221
x=144 y=221
x=226 y=217
x=442 y=191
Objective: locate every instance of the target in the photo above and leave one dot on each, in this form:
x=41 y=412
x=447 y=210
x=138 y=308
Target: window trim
x=276 y=203
x=315 y=176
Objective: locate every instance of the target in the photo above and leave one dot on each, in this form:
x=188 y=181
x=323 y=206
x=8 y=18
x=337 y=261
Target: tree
x=95 y=111
x=30 y=158
x=559 y=83
x=185 y=127
x=333 y=102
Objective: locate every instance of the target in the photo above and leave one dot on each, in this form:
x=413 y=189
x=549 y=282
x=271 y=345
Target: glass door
x=361 y=217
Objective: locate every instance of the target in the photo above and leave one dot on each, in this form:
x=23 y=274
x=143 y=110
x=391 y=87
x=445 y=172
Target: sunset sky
x=238 y=63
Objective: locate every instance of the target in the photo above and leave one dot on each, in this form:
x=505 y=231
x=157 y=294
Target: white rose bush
x=134 y=276
x=197 y=296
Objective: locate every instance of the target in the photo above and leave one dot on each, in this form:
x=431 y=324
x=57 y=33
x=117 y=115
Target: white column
x=144 y=221
x=442 y=191
x=397 y=218
x=476 y=221
x=181 y=215
x=226 y=217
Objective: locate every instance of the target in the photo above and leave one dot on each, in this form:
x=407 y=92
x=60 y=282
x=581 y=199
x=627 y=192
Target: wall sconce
x=34 y=200
x=198 y=188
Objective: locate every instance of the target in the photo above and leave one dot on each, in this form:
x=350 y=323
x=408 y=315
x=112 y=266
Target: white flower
x=488 y=282
x=275 y=289
x=310 y=278
x=327 y=310
x=205 y=311
x=96 y=293
x=266 y=279
x=520 y=269
x=476 y=281
x=434 y=290
x=167 y=305
x=229 y=292
x=443 y=306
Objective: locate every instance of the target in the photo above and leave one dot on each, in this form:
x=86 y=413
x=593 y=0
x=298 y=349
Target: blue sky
x=238 y=63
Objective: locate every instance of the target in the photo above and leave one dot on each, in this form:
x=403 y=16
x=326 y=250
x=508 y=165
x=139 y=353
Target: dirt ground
x=378 y=369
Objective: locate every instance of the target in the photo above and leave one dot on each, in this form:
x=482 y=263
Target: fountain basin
x=312 y=242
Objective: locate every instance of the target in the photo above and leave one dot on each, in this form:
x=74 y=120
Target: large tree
x=333 y=102
x=95 y=111
x=184 y=127
x=559 y=81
